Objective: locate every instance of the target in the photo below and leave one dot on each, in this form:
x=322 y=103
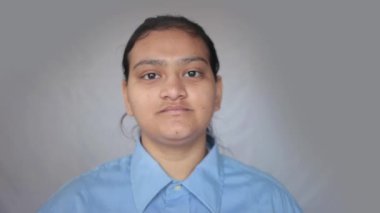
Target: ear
x=126 y=98
x=219 y=93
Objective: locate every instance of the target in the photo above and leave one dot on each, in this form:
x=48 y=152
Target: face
x=171 y=90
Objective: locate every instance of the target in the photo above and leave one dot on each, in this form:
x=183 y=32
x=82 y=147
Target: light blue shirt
x=137 y=183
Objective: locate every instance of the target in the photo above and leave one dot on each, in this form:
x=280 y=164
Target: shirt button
x=177 y=187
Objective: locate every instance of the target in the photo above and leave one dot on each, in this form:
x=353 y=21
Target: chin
x=180 y=136
x=177 y=136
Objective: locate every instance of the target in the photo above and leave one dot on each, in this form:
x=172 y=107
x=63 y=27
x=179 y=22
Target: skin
x=172 y=93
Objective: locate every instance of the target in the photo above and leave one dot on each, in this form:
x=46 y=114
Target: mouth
x=176 y=109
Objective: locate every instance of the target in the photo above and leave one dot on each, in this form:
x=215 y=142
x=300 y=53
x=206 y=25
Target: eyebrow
x=188 y=60
x=158 y=62
x=149 y=62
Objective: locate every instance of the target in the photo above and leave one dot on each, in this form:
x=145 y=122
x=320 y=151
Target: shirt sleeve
x=278 y=200
x=70 y=198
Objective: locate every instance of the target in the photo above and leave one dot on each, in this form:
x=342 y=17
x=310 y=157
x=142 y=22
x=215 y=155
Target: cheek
x=139 y=101
x=205 y=99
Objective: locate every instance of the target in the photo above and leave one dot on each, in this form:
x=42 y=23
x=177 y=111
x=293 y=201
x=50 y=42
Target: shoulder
x=80 y=192
x=259 y=189
x=240 y=172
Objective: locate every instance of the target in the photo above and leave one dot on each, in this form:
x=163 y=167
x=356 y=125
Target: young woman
x=172 y=89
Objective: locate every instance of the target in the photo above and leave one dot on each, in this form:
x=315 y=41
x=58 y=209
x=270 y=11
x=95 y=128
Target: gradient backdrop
x=301 y=96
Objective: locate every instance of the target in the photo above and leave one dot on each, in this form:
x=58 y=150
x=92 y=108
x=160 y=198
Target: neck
x=178 y=161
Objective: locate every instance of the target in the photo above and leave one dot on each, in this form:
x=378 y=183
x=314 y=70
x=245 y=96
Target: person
x=172 y=88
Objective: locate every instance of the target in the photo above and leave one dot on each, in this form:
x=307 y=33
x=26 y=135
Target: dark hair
x=167 y=22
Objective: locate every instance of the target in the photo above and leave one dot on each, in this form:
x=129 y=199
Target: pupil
x=192 y=73
x=151 y=75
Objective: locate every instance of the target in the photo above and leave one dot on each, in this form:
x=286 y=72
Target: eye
x=150 y=76
x=192 y=74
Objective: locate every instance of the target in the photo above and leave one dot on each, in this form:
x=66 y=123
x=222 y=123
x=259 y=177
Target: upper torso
x=137 y=184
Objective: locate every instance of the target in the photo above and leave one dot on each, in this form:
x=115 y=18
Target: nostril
x=174 y=90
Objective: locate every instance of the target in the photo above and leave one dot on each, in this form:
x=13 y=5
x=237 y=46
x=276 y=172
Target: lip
x=175 y=109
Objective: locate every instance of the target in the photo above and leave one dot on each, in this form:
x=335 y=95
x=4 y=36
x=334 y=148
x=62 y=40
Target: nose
x=173 y=88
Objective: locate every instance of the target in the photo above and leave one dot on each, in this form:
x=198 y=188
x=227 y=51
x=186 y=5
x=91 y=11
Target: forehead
x=168 y=44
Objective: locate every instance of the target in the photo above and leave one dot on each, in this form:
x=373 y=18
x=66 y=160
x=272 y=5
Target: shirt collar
x=205 y=182
x=143 y=169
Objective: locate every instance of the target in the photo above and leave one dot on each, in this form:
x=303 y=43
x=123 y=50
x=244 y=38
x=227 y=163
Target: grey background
x=301 y=96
